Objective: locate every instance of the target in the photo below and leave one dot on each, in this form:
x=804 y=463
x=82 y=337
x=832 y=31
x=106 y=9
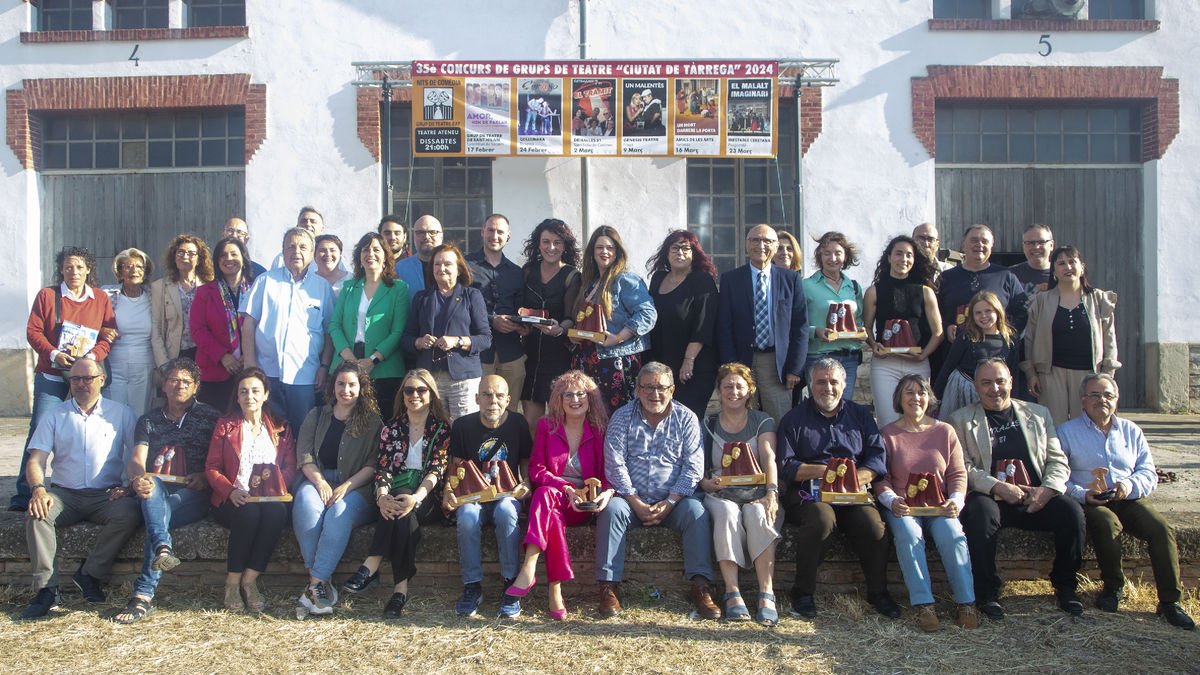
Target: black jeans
x=397 y=539
x=254 y=531
x=864 y=529
x=982 y=518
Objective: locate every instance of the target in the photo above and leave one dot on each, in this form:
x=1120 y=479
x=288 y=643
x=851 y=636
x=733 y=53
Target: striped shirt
x=653 y=462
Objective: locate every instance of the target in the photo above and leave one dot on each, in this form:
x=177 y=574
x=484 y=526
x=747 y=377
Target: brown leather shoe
x=968 y=617
x=927 y=619
x=702 y=600
x=609 y=604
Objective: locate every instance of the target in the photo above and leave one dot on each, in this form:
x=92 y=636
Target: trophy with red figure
x=739 y=466
x=1011 y=471
x=841 y=324
x=169 y=465
x=267 y=485
x=840 y=484
x=590 y=323
x=924 y=495
x=898 y=337
x=467 y=483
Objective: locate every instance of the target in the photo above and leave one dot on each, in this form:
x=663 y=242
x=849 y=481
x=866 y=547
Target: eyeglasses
x=82 y=379
x=129 y=267
x=574 y=394
x=926 y=239
x=176 y=381
x=656 y=388
x=1037 y=242
x=1102 y=395
x=419 y=391
x=184 y=253
x=681 y=249
x=427 y=234
x=762 y=241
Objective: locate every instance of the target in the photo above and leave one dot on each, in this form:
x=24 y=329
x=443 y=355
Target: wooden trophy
x=266 y=484
x=924 y=495
x=1100 y=485
x=467 y=483
x=500 y=475
x=531 y=317
x=589 y=493
x=169 y=465
x=898 y=338
x=841 y=324
x=739 y=466
x=840 y=485
x=1011 y=471
x=590 y=323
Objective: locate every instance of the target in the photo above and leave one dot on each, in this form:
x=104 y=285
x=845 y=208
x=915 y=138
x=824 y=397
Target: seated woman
x=985 y=335
x=743 y=517
x=249 y=452
x=568 y=449
x=336 y=451
x=413 y=451
x=917 y=443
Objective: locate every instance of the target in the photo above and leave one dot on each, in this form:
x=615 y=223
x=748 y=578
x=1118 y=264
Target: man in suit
x=1002 y=428
x=763 y=322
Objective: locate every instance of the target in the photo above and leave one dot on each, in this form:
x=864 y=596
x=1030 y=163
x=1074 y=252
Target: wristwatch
x=374 y=359
x=672 y=501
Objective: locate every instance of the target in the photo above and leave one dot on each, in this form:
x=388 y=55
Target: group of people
x=418 y=358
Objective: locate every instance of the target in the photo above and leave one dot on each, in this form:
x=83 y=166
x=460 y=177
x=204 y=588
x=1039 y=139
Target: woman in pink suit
x=568 y=449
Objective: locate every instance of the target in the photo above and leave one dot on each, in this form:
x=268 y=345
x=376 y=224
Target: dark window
x=456 y=190
x=64 y=15
x=962 y=9
x=140 y=14
x=999 y=134
x=160 y=140
x=1116 y=9
x=728 y=196
x=216 y=13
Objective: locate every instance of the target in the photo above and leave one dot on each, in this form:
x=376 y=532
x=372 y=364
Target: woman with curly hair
x=189 y=264
x=683 y=285
x=825 y=288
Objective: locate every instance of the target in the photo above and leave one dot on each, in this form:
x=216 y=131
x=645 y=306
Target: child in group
x=986 y=335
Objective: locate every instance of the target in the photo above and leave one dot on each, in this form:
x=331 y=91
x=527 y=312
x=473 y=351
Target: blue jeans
x=324 y=531
x=292 y=401
x=46 y=394
x=167 y=506
x=471 y=519
x=850 y=363
x=947 y=533
x=688 y=518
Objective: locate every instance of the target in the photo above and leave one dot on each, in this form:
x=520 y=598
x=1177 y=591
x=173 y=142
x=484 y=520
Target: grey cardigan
x=353 y=453
x=1039 y=338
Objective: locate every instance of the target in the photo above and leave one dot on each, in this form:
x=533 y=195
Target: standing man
x=763 y=322
x=978 y=273
x=287 y=310
x=1098 y=439
x=927 y=237
x=823 y=427
x=236 y=228
x=502 y=284
x=311 y=219
x=427 y=235
x=490 y=435
x=169 y=440
x=653 y=458
x=1034 y=274
x=1000 y=427
x=90 y=438
x=394 y=235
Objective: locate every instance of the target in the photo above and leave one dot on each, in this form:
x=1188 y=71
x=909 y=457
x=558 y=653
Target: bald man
x=927 y=237
x=426 y=236
x=491 y=435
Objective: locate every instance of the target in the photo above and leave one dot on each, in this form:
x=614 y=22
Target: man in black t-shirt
x=1000 y=428
x=166 y=472
x=1034 y=274
x=490 y=435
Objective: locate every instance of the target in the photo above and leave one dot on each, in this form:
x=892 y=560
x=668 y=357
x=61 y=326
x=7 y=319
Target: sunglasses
x=409 y=391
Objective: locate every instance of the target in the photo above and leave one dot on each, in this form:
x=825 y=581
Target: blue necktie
x=762 y=324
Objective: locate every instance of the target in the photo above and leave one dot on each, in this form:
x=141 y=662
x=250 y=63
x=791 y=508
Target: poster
x=593 y=118
x=595 y=108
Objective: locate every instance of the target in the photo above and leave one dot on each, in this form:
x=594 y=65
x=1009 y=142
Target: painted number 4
x=134 y=57
x=1045 y=47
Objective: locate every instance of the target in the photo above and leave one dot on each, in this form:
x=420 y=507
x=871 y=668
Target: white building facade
x=128 y=121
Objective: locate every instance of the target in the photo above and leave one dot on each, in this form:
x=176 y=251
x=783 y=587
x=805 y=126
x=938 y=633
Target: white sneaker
x=316 y=599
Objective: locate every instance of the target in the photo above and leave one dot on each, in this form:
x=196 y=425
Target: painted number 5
x=1045 y=47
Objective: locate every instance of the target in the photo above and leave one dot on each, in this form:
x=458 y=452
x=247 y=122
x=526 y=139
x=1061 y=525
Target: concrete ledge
x=654 y=556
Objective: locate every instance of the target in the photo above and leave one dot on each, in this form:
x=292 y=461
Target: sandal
x=255 y=602
x=135 y=610
x=768 y=616
x=233 y=598
x=164 y=560
x=737 y=612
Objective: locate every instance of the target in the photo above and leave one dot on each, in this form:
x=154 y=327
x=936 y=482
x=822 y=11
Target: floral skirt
x=615 y=375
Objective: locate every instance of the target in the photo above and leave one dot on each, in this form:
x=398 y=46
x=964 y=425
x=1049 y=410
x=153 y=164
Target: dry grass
x=652 y=636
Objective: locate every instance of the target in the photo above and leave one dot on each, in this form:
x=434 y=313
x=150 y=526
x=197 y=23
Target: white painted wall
x=866 y=175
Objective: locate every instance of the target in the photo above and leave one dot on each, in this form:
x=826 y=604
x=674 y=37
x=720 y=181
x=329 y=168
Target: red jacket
x=210 y=332
x=550 y=453
x=39 y=331
x=225 y=455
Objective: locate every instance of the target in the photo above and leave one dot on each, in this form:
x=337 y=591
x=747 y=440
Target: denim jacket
x=631 y=308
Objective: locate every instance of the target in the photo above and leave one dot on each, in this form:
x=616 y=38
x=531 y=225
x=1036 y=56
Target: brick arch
x=24 y=133
x=1159 y=95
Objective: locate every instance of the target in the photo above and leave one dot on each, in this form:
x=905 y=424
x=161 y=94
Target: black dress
x=687 y=314
x=547 y=357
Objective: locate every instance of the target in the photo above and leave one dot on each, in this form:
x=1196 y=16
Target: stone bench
x=654 y=556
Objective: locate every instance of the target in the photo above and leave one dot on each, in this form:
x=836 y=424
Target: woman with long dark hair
x=216 y=324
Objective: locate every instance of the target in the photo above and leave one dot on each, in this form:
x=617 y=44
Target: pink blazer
x=210 y=333
x=550 y=453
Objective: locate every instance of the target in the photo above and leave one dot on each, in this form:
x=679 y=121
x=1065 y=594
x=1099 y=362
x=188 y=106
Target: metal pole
x=798 y=197
x=584 y=169
x=385 y=140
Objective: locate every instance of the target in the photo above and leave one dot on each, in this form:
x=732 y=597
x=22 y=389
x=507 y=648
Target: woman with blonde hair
x=986 y=335
x=789 y=255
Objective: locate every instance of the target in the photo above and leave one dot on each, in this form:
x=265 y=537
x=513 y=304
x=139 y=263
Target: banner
x=595 y=108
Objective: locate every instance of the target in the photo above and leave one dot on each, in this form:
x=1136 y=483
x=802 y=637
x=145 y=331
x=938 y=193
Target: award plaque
x=1011 y=471
x=898 y=338
x=466 y=482
x=840 y=484
x=531 y=317
x=590 y=323
x=500 y=475
x=169 y=465
x=588 y=493
x=1100 y=485
x=266 y=484
x=924 y=495
x=739 y=466
x=841 y=324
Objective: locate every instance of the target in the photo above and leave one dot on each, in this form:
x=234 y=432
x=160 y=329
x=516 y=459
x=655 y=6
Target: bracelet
x=39 y=485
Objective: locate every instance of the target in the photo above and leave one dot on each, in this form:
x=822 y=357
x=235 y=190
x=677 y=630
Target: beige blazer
x=166 y=320
x=1044 y=450
x=1039 y=336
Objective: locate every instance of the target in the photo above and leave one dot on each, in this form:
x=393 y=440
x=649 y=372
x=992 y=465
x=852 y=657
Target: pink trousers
x=550 y=514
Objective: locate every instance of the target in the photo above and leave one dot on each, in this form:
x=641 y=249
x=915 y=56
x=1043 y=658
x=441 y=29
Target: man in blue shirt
x=90 y=439
x=653 y=458
x=1112 y=473
x=821 y=428
x=426 y=236
x=502 y=284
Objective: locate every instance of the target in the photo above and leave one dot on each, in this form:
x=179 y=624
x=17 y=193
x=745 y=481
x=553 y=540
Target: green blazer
x=387 y=315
